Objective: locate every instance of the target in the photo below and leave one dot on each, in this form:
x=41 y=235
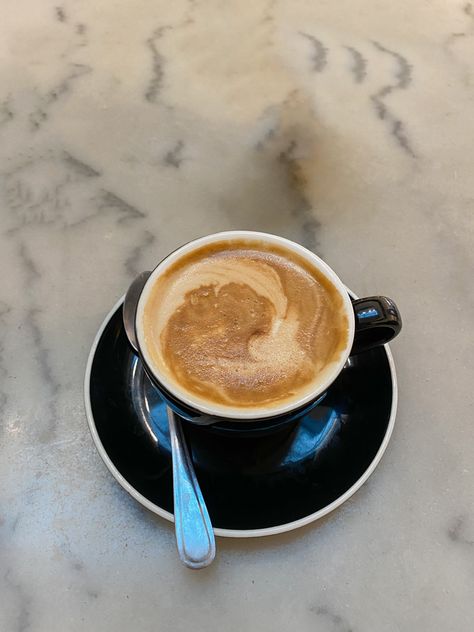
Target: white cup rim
x=229 y=411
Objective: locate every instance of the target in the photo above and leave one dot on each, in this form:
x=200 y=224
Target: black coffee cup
x=373 y=321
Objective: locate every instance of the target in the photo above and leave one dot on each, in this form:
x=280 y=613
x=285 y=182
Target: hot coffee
x=244 y=324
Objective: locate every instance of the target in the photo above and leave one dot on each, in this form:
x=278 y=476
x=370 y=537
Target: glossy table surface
x=127 y=128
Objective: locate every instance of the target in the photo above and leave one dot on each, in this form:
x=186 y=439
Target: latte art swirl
x=243 y=325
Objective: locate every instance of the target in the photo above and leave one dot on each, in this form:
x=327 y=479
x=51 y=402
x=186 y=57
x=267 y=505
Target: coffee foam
x=244 y=324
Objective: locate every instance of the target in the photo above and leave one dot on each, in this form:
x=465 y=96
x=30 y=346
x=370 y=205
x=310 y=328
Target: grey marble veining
x=129 y=128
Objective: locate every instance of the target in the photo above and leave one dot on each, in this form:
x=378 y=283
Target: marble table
x=127 y=128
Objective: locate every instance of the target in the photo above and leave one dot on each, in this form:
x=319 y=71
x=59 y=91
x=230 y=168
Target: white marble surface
x=128 y=127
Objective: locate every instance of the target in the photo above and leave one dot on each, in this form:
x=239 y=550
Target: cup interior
x=257 y=412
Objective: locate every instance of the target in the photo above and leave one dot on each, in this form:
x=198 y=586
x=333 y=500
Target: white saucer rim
x=234 y=533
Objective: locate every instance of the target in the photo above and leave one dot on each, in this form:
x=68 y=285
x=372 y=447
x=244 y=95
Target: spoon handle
x=194 y=534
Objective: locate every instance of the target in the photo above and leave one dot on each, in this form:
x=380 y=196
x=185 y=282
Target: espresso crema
x=244 y=324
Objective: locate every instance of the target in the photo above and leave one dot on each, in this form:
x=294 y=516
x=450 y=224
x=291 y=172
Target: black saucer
x=252 y=485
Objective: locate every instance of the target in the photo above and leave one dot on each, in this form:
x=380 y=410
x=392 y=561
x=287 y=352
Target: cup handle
x=377 y=321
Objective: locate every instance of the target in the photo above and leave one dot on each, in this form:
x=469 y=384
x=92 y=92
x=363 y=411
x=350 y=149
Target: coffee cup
x=244 y=329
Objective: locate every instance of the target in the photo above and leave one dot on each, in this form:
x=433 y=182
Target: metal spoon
x=194 y=534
